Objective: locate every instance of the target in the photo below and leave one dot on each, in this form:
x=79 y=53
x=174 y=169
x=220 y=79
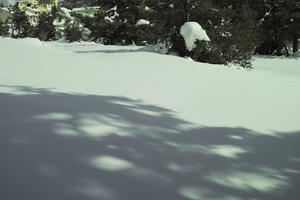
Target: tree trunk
x=295 y=43
x=286 y=50
x=186 y=7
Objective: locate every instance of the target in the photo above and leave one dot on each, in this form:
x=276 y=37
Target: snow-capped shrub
x=142 y=22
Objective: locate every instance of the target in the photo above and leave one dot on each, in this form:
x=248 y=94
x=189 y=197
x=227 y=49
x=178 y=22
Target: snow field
x=265 y=99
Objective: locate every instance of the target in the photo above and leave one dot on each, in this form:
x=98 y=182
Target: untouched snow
x=191 y=32
x=85 y=121
x=265 y=99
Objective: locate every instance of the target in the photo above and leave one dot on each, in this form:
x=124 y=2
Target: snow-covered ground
x=84 y=121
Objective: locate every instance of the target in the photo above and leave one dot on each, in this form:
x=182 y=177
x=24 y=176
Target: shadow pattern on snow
x=85 y=147
x=141 y=49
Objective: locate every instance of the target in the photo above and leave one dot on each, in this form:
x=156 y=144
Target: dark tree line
x=237 y=28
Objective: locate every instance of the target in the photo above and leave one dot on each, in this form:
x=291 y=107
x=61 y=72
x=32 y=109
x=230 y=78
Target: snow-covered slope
x=205 y=94
x=85 y=121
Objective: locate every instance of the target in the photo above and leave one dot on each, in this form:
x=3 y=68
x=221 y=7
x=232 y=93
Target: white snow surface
x=191 y=32
x=88 y=121
x=264 y=99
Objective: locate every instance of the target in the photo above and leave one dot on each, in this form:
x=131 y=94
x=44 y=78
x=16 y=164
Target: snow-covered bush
x=142 y=22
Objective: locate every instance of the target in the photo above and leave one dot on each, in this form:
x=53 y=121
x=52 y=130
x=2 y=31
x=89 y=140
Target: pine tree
x=45 y=29
x=232 y=29
x=73 y=31
x=4 y=29
x=116 y=23
x=101 y=26
x=128 y=31
x=293 y=22
x=279 y=25
x=21 y=27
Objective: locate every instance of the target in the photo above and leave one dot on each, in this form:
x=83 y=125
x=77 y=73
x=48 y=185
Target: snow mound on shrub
x=142 y=22
x=191 y=32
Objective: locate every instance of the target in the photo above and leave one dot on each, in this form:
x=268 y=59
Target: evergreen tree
x=121 y=17
x=4 y=29
x=279 y=25
x=116 y=22
x=55 y=12
x=102 y=25
x=45 y=29
x=21 y=27
x=232 y=29
x=131 y=14
x=73 y=31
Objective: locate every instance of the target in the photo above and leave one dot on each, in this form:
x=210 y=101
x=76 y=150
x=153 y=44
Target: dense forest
x=237 y=28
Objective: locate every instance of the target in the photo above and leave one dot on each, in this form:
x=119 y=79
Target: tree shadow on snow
x=130 y=50
x=85 y=147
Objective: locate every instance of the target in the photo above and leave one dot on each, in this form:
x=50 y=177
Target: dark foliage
x=279 y=25
x=73 y=31
x=4 y=29
x=21 y=27
x=45 y=30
